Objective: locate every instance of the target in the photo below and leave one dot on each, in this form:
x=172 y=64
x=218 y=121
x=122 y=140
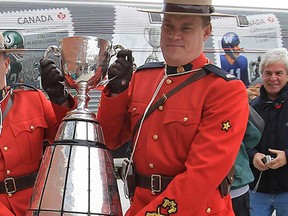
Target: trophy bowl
x=153 y=37
x=84 y=59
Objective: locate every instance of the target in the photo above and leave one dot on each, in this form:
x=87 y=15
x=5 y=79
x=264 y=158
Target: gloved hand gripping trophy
x=120 y=72
x=51 y=79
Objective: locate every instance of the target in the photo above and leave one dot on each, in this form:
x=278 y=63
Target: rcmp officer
x=27 y=118
x=184 y=148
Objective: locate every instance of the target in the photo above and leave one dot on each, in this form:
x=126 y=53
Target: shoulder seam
x=150 y=65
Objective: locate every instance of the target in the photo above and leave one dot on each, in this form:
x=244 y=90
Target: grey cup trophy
x=76 y=176
x=153 y=39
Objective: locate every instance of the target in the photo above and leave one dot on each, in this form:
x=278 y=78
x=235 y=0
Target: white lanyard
x=146 y=110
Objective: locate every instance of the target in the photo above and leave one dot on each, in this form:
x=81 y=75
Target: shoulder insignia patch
x=150 y=65
x=219 y=72
x=167 y=208
x=229 y=76
x=226 y=126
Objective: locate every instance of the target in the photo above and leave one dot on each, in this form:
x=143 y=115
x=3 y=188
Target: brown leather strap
x=11 y=185
x=156 y=183
x=8 y=106
x=225 y=185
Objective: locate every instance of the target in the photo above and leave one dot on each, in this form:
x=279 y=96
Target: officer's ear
x=7 y=64
x=207 y=31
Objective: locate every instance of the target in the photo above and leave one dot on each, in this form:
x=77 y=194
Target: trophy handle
x=121 y=53
x=126 y=54
x=116 y=49
x=53 y=49
x=146 y=30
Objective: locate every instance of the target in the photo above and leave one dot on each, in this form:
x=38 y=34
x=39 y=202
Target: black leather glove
x=120 y=72
x=51 y=77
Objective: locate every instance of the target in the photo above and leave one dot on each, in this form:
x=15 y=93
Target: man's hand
x=120 y=72
x=279 y=161
x=51 y=78
x=258 y=163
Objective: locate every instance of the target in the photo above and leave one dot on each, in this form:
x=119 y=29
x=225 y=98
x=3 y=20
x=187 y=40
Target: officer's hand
x=51 y=77
x=120 y=72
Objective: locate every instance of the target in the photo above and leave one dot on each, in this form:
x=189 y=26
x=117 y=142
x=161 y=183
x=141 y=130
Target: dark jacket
x=275 y=136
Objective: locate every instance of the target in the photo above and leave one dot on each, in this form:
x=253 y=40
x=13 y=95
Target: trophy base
x=75 y=179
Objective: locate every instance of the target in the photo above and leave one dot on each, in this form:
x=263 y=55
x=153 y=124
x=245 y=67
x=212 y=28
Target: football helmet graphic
x=230 y=44
x=14 y=40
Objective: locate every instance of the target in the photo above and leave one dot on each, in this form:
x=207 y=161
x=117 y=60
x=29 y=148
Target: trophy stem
x=153 y=56
x=82 y=96
x=82 y=99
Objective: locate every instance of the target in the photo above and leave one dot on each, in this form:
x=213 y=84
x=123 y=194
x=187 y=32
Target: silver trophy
x=76 y=176
x=152 y=36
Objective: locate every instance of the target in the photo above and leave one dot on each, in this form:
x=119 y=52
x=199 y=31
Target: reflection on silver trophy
x=154 y=40
x=76 y=176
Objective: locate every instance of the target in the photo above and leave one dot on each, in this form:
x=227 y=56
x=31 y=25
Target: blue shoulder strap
x=151 y=65
x=16 y=85
x=219 y=72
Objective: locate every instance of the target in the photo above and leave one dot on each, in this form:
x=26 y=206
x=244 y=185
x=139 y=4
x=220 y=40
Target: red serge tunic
x=30 y=121
x=194 y=137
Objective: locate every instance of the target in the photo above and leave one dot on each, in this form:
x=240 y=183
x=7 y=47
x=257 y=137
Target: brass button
x=160 y=108
x=134 y=109
x=5 y=148
x=32 y=128
x=155 y=137
x=151 y=165
x=9 y=195
x=185 y=119
x=168 y=81
x=8 y=172
x=180 y=69
x=208 y=210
